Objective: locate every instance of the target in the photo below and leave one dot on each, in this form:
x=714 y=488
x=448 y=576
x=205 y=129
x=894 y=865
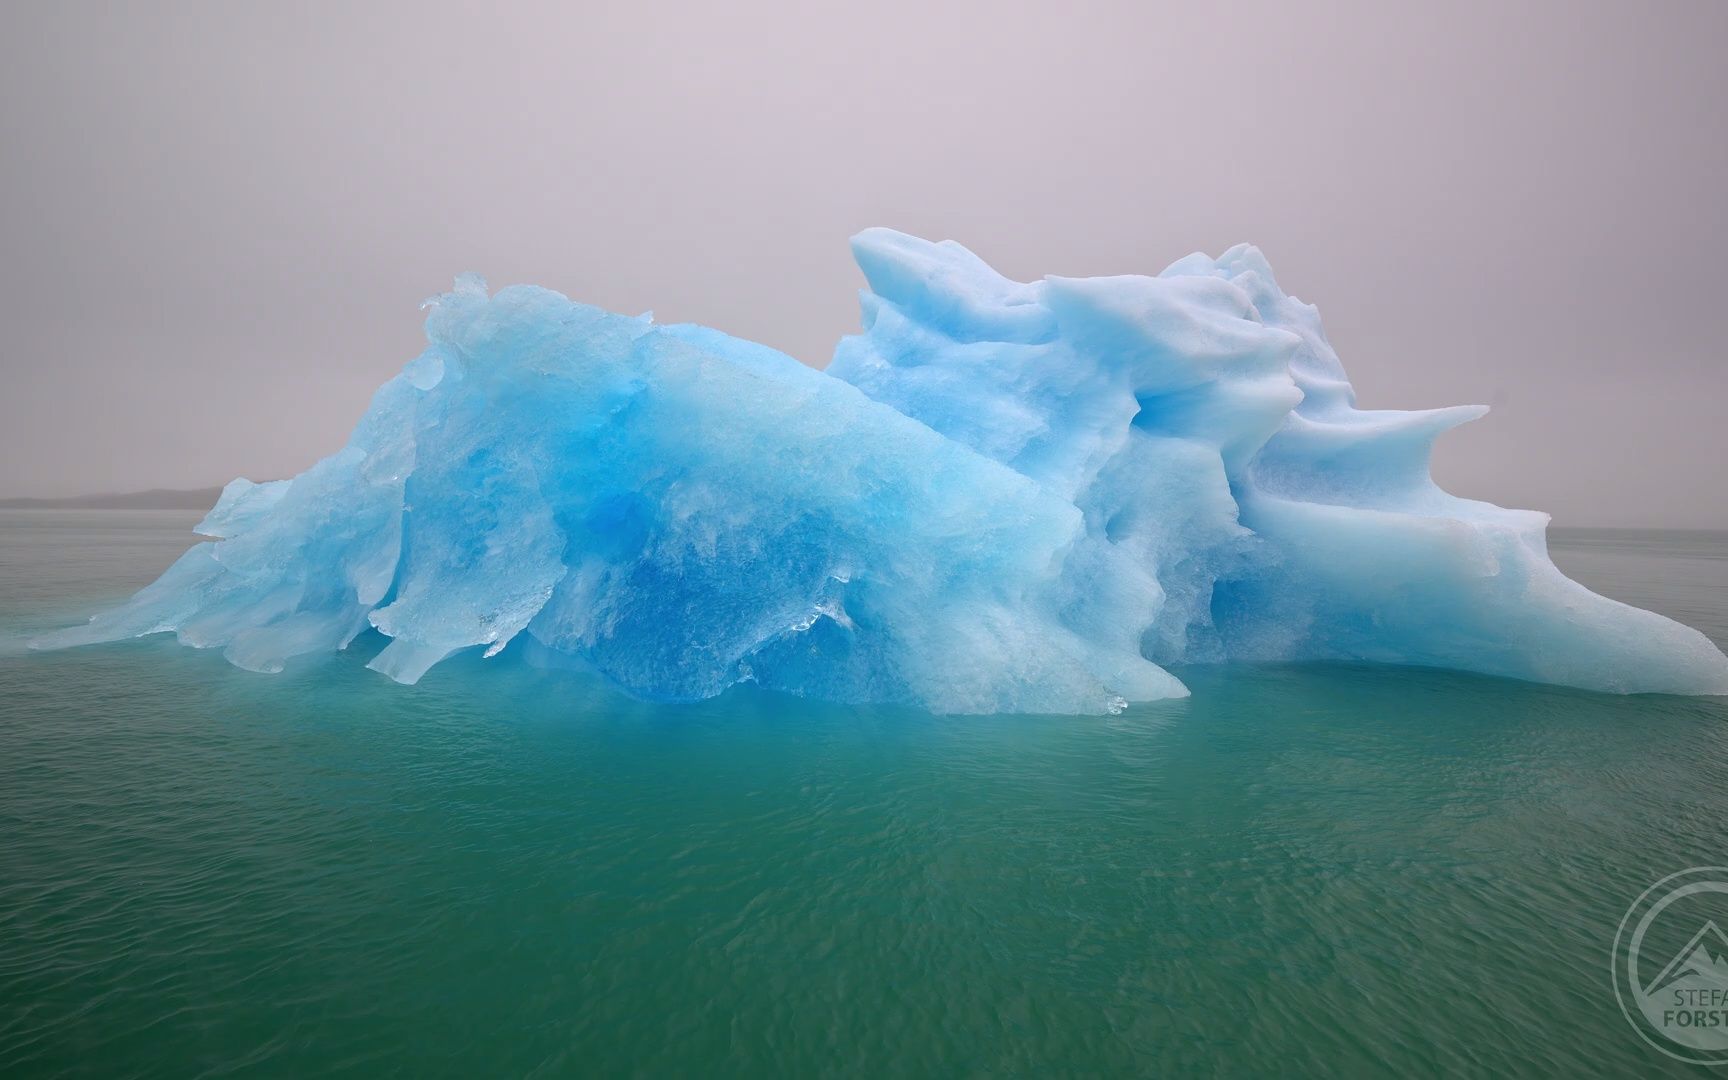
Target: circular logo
x=1671 y=965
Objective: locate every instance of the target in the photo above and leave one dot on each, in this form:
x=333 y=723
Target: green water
x=1320 y=871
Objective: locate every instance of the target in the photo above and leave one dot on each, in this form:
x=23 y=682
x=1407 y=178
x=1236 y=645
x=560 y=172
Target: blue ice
x=1000 y=497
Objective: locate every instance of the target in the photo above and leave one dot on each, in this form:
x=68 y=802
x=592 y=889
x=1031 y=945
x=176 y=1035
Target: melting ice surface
x=999 y=497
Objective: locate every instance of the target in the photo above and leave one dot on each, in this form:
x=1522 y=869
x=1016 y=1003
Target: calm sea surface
x=502 y=871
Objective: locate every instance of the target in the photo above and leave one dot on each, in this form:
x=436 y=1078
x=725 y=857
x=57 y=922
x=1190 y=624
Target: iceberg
x=999 y=497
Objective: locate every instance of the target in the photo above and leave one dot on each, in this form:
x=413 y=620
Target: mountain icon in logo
x=1701 y=962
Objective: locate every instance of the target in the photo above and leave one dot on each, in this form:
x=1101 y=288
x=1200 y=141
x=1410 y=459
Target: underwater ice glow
x=1000 y=497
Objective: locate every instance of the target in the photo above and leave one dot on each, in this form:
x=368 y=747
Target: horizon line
x=173 y=498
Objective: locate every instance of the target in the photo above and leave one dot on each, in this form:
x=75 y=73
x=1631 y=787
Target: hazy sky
x=217 y=220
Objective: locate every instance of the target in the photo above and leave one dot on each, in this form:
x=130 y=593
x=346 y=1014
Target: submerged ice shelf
x=999 y=497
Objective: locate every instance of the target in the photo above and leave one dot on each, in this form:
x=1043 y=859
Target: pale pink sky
x=217 y=219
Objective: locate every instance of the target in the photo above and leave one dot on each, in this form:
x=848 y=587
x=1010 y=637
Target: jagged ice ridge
x=999 y=497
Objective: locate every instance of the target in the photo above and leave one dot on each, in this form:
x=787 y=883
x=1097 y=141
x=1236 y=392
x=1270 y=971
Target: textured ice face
x=1000 y=497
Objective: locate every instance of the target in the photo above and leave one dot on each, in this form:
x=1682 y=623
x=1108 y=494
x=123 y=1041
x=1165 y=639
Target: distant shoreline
x=154 y=499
